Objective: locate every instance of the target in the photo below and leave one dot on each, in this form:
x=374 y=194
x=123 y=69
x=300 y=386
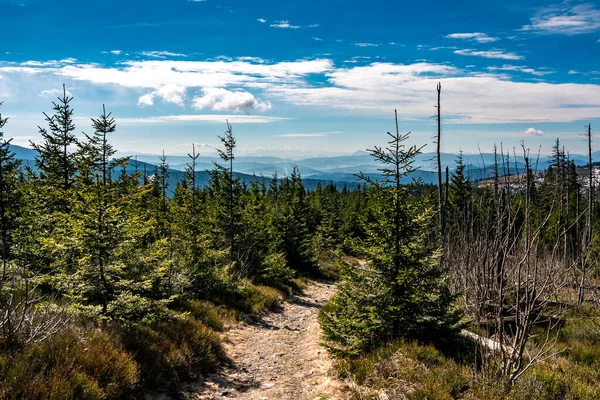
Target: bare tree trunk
x=442 y=207
x=588 y=239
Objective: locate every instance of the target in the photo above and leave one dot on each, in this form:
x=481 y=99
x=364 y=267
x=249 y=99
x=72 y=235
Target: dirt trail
x=277 y=356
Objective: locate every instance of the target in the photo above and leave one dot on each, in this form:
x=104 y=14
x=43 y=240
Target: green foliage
x=405 y=370
x=75 y=364
x=170 y=352
x=401 y=292
x=276 y=273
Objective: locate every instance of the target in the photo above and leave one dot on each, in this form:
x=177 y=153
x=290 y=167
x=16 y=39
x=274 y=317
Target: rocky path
x=277 y=356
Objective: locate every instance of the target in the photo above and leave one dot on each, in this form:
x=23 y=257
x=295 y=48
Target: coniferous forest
x=115 y=284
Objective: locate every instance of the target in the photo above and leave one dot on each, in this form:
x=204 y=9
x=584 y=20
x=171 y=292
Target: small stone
x=267 y=385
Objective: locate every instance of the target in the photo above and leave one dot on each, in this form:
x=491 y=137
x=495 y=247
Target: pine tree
x=99 y=219
x=459 y=195
x=401 y=292
x=55 y=161
x=291 y=221
x=9 y=195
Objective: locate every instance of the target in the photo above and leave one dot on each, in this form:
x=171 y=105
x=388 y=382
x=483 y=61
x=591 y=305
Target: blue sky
x=305 y=78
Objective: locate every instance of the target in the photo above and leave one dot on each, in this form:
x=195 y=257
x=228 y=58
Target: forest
x=115 y=285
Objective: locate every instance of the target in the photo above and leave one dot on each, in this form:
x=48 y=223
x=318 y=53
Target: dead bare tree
x=441 y=203
x=509 y=276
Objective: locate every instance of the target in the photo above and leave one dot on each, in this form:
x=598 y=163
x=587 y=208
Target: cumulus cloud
x=373 y=89
x=474 y=36
x=468 y=98
x=116 y=52
x=501 y=54
x=566 y=19
x=168 y=93
x=534 y=132
x=219 y=99
x=262 y=20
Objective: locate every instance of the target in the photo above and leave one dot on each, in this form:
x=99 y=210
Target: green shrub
x=329 y=265
x=209 y=314
x=131 y=308
x=276 y=273
x=261 y=299
x=71 y=365
x=173 y=351
x=406 y=370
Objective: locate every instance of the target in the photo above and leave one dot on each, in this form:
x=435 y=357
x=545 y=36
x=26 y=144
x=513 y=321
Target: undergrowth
x=412 y=370
x=159 y=349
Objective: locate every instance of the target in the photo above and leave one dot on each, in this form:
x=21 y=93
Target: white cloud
x=501 y=54
x=116 y=52
x=316 y=39
x=262 y=20
x=367 y=44
x=168 y=93
x=158 y=73
x=475 y=36
x=372 y=90
x=533 y=132
x=54 y=93
x=284 y=25
x=211 y=118
x=566 y=19
x=161 y=54
x=467 y=98
x=219 y=99
x=572 y=72
x=518 y=68
x=301 y=135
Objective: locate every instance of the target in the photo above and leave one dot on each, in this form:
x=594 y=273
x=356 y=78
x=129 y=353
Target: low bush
x=173 y=351
x=213 y=316
x=405 y=370
x=276 y=273
x=70 y=365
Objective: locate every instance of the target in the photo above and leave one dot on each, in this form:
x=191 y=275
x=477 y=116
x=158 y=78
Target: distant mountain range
x=337 y=169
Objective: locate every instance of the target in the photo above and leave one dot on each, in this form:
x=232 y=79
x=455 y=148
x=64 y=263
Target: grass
x=405 y=370
x=413 y=370
x=117 y=359
x=78 y=364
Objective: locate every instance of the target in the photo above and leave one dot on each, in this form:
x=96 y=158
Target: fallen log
x=490 y=344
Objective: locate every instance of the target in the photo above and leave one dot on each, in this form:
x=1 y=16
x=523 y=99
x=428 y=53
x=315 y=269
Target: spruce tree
x=459 y=195
x=99 y=220
x=9 y=195
x=56 y=161
x=400 y=291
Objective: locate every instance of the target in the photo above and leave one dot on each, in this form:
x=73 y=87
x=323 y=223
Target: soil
x=277 y=356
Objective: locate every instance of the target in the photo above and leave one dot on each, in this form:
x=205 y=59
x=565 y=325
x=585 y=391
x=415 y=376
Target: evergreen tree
x=99 y=219
x=55 y=161
x=401 y=292
x=459 y=195
x=9 y=195
x=291 y=221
